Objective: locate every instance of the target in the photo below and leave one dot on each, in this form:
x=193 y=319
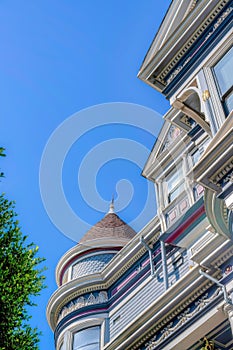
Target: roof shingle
x=111 y=226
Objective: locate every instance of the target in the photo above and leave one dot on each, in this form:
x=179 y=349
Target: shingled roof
x=111 y=226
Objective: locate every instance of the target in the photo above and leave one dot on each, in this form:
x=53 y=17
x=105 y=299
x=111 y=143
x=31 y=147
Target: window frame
x=228 y=92
x=85 y=346
x=206 y=79
x=178 y=186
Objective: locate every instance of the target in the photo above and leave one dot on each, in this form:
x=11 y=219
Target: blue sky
x=58 y=58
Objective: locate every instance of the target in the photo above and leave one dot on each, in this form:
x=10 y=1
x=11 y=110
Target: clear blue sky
x=57 y=58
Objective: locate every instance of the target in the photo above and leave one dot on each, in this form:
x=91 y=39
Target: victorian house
x=170 y=285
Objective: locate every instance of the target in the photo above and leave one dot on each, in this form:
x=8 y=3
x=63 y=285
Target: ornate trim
x=183 y=318
x=165 y=321
x=81 y=302
x=223 y=174
x=223 y=257
x=172 y=134
x=196 y=36
x=161 y=78
x=104 y=285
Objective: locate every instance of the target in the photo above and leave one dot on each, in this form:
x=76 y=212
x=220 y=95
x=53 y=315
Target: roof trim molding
x=163 y=64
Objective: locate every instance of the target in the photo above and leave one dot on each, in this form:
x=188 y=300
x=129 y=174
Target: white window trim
x=81 y=325
x=218 y=109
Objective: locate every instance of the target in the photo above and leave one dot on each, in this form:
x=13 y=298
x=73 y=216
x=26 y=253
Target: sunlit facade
x=170 y=285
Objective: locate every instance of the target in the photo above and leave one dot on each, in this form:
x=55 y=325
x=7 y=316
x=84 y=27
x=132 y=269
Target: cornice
x=184 y=317
x=200 y=30
x=158 y=71
x=224 y=256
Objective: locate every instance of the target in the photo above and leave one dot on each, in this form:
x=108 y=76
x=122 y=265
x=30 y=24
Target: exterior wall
x=147 y=292
x=129 y=297
x=172 y=285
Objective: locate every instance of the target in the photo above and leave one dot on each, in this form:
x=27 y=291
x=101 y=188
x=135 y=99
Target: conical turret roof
x=110 y=227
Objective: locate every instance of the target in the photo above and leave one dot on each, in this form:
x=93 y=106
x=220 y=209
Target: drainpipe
x=164 y=264
x=164 y=261
x=226 y=298
x=152 y=268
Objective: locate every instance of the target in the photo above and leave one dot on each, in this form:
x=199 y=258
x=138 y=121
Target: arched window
x=87 y=339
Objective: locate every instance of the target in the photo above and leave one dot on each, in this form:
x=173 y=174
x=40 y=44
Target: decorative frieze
x=145 y=340
x=181 y=319
x=82 y=301
x=224 y=174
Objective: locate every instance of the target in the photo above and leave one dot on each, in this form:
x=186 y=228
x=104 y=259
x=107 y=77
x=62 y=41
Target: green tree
x=20 y=280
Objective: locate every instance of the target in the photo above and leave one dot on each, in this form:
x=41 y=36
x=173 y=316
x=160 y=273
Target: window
x=175 y=183
x=87 y=339
x=223 y=73
x=196 y=156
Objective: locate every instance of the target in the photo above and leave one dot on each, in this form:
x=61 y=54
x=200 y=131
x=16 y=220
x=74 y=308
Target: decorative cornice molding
x=81 y=302
x=193 y=39
x=163 y=322
x=182 y=318
x=227 y=254
x=166 y=62
x=221 y=174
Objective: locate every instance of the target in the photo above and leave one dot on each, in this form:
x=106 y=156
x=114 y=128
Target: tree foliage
x=20 y=281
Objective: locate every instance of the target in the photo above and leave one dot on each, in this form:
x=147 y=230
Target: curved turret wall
x=91 y=264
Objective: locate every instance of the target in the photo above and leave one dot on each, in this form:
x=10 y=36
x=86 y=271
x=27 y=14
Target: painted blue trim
x=74 y=316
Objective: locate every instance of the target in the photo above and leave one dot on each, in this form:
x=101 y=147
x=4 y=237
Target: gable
x=172 y=133
x=166 y=140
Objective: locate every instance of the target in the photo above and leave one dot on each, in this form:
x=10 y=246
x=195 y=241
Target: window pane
x=174 y=178
x=87 y=339
x=196 y=156
x=176 y=192
x=175 y=183
x=223 y=71
x=229 y=103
